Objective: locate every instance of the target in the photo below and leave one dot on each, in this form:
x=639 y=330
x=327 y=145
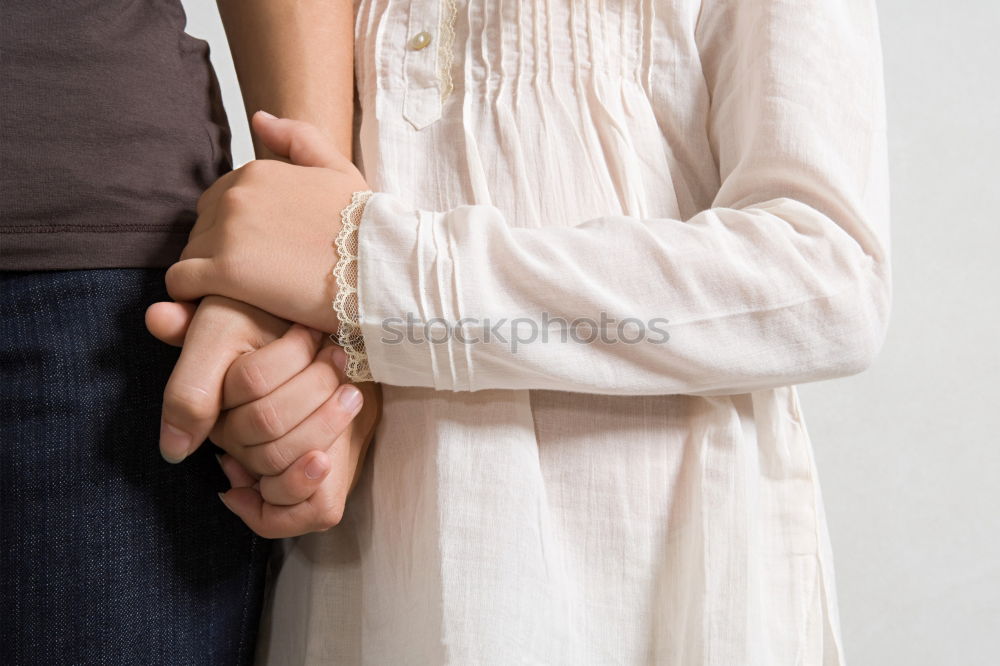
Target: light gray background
x=908 y=452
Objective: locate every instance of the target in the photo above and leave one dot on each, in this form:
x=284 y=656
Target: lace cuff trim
x=346 y=303
x=446 y=44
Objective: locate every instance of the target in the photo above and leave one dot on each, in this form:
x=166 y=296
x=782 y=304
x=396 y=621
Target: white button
x=420 y=40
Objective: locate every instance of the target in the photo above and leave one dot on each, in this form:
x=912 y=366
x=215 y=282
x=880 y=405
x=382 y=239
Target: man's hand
x=295 y=434
x=214 y=336
x=265 y=232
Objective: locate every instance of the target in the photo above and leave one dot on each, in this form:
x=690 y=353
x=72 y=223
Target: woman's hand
x=265 y=232
x=293 y=474
x=297 y=439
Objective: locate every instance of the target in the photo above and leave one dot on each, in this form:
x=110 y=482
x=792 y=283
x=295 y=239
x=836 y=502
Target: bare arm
x=292 y=58
x=296 y=60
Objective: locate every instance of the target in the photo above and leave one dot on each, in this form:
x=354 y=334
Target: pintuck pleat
x=600 y=504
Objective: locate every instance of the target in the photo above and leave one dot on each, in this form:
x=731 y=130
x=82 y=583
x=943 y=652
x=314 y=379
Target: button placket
x=422 y=97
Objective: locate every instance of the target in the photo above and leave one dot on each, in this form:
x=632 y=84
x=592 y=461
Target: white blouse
x=606 y=241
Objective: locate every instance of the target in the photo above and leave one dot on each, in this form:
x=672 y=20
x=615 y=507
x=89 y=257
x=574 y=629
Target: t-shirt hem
x=73 y=250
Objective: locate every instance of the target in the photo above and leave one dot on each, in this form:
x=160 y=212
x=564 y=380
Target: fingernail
x=316 y=468
x=266 y=114
x=218 y=458
x=339 y=357
x=174 y=443
x=349 y=397
x=222 y=497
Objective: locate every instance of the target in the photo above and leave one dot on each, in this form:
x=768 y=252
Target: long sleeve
x=784 y=280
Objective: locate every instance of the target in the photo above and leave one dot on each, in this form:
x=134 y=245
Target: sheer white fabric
x=718 y=164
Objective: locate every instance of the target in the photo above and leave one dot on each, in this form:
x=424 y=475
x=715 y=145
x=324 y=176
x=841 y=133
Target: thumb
x=300 y=142
x=169 y=321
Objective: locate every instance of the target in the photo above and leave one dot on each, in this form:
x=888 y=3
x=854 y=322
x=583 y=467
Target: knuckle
x=330 y=517
x=331 y=424
x=270 y=459
x=233 y=201
x=249 y=378
x=301 y=138
x=254 y=169
x=327 y=380
x=264 y=420
x=188 y=403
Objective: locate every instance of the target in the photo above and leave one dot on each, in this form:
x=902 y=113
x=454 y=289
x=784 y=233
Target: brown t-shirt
x=111 y=127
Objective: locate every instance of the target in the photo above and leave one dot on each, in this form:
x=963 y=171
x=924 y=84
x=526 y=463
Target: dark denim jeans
x=109 y=554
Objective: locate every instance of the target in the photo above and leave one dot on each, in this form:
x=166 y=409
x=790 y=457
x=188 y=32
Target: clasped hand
x=257 y=374
x=265 y=232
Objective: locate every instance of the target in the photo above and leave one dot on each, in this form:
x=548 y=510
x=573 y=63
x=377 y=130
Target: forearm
x=295 y=59
x=785 y=279
x=730 y=301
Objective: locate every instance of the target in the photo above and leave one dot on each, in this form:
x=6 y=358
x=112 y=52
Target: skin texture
x=268 y=386
x=278 y=427
x=265 y=232
x=297 y=59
